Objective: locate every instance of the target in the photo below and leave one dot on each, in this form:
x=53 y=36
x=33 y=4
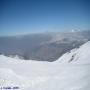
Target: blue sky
x=29 y=16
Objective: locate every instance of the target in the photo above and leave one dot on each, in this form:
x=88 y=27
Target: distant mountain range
x=42 y=46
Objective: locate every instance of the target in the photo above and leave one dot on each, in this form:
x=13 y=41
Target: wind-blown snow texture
x=73 y=73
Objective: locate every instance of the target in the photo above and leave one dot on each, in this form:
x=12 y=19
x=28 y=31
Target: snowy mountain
x=78 y=55
x=39 y=75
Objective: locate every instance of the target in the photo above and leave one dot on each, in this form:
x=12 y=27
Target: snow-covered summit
x=80 y=55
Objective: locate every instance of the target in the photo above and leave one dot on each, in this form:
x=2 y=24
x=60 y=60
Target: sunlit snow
x=69 y=72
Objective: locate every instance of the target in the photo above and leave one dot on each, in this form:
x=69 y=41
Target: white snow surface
x=79 y=55
x=70 y=74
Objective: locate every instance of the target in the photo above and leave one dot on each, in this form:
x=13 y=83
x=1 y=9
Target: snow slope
x=35 y=75
x=80 y=55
